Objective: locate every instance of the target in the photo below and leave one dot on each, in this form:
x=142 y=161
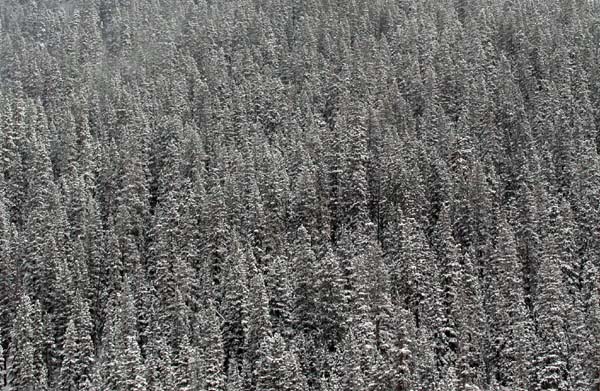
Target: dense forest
x=295 y=195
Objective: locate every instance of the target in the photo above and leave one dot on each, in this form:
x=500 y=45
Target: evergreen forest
x=299 y=195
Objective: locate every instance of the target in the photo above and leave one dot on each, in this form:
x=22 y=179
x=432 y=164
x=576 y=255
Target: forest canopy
x=267 y=195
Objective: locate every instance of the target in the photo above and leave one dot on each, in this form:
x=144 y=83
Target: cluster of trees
x=230 y=195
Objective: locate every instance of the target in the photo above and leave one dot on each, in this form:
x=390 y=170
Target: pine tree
x=185 y=365
x=550 y=310
x=512 y=339
x=26 y=368
x=111 y=342
x=131 y=367
x=44 y=219
x=234 y=307
x=8 y=278
x=281 y=299
x=278 y=367
x=425 y=375
x=329 y=285
x=374 y=288
x=414 y=265
x=12 y=136
x=158 y=365
x=132 y=215
x=259 y=324
x=273 y=184
x=471 y=325
x=403 y=354
x=2 y=365
x=90 y=43
x=120 y=361
x=593 y=325
x=78 y=350
x=169 y=269
x=213 y=353
x=305 y=293
x=217 y=239
x=68 y=375
x=450 y=275
x=304 y=202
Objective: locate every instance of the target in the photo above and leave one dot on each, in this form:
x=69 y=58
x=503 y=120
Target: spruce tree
x=158 y=361
x=278 y=368
x=512 y=351
x=213 y=353
x=305 y=294
x=551 y=370
x=78 y=350
x=234 y=307
x=26 y=368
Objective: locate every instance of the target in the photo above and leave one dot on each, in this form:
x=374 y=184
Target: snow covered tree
x=159 y=375
x=551 y=357
x=278 y=368
x=131 y=367
x=234 y=307
x=329 y=283
x=26 y=368
x=259 y=324
x=213 y=353
x=512 y=339
x=279 y=285
x=78 y=350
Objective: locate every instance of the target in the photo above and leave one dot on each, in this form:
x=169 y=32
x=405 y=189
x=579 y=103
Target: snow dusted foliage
x=318 y=195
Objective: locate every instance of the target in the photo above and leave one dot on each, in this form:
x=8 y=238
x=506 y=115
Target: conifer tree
x=329 y=285
x=26 y=368
x=512 y=350
x=158 y=361
x=278 y=368
x=131 y=367
x=259 y=324
x=305 y=293
x=413 y=263
x=8 y=279
x=551 y=370
x=593 y=325
x=2 y=365
x=112 y=342
x=281 y=298
x=304 y=202
x=471 y=324
x=234 y=307
x=78 y=350
x=12 y=138
x=216 y=246
x=450 y=276
x=213 y=355
x=186 y=365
